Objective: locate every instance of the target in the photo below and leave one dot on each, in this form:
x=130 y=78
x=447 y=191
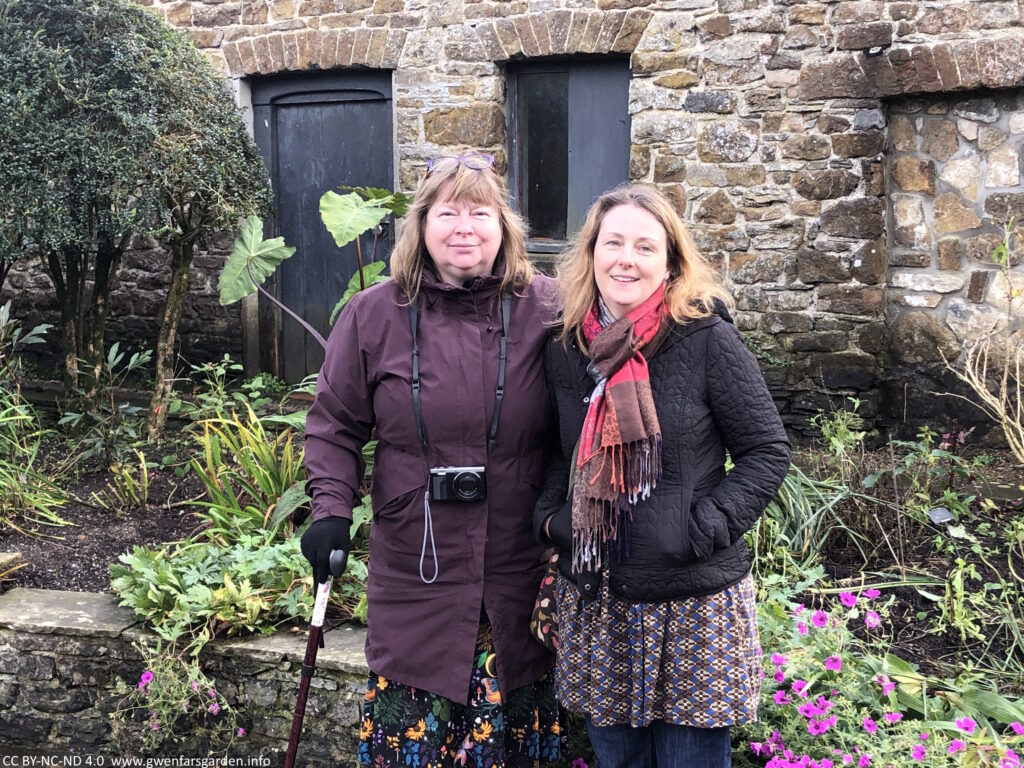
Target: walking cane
x=337 y=563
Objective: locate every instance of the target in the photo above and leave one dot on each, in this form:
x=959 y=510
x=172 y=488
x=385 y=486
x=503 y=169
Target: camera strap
x=499 y=390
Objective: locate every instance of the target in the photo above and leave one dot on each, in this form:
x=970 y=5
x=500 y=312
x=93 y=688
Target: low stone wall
x=61 y=654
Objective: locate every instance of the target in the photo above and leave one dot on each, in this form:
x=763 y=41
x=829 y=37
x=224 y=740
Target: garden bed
x=848 y=539
x=78 y=557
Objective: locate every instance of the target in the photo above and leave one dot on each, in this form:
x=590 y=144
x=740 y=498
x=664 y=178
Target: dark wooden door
x=316 y=132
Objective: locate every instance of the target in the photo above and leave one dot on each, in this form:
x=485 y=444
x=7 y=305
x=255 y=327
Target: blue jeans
x=660 y=745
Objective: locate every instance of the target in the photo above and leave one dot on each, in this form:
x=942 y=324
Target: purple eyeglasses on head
x=476 y=161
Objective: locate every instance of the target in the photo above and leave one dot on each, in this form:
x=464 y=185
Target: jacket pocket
x=385 y=504
x=398 y=524
x=678 y=547
x=396 y=478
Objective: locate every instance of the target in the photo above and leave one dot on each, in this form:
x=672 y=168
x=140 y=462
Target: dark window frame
x=575 y=67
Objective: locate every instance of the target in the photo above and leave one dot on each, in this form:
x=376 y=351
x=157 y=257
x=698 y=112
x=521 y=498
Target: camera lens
x=467 y=486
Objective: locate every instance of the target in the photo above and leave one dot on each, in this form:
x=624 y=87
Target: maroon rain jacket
x=420 y=634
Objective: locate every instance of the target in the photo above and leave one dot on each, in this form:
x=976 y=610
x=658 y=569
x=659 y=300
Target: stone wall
x=765 y=121
x=61 y=654
x=207 y=330
x=954 y=168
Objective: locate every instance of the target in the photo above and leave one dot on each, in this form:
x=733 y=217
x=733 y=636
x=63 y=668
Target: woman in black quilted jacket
x=652 y=385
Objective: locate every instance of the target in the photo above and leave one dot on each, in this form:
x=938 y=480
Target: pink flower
x=820 y=619
x=781 y=698
x=917 y=752
x=195 y=686
x=241 y=732
x=887 y=685
x=817 y=727
x=956 y=746
x=924 y=736
x=779 y=676
x=871 y=619
x=1010 y=760
x=966 y=724
x=799 y=687
x=801 y=628
x=871 y=594
x=869 y=725
x=798 y=610
x=864 y=762
x=579 y=762
x=146 y=679
x=834 y=663
x=212 y=693
x=893 y=717
x=848 y=599
x=778 y=661
x=755 y=747
x=1017 y=728
x=214 y=708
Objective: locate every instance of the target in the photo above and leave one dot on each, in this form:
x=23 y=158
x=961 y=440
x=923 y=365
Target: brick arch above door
x=529 y=35
x=308 y=49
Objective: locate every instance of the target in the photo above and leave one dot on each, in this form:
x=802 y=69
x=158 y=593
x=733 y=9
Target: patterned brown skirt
x=694 y=662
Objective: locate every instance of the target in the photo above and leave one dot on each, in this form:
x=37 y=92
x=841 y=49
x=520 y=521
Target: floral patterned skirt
x=413 y=728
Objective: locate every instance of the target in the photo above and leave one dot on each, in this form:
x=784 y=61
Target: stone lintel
x=921 y=68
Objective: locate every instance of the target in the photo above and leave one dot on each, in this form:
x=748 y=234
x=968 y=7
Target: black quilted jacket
x=686 y=539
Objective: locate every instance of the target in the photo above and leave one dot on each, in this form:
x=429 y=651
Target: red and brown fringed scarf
x=619 y=456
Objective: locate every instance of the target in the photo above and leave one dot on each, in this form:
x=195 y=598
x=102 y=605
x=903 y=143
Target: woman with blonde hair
x=444 y=363
x=652 y=384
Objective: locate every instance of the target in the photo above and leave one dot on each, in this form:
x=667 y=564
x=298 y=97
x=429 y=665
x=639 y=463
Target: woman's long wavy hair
x=458 y=183
x=693 y=284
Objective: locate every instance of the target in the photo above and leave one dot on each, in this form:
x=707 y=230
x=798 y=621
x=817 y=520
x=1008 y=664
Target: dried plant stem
x=1000 y=397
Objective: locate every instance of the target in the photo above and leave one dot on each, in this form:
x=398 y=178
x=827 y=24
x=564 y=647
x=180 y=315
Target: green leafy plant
x=172 y=702
x=12 y=339
x=801 y=508
x=199 y=589
x=110 y=427
x=216 y=393
x=836 y=696
x=127 y=489
x=843 y=440
x=924 y=477
x=29 y=498
x=253 y=479
x=346 y=217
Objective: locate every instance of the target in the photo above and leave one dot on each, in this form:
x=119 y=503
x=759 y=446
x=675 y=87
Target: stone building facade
x=847 y=164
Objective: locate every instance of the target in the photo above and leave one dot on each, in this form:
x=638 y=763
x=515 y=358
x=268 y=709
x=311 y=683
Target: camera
x=458 y=484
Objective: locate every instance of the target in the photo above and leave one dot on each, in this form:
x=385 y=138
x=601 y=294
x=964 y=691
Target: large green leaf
x=252 y=251
x=293 y=498
x=396 y=202
x=295 y=420
x=348 y=216
x=371 y=276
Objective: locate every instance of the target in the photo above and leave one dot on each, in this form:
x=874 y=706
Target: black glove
x=323 y=536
